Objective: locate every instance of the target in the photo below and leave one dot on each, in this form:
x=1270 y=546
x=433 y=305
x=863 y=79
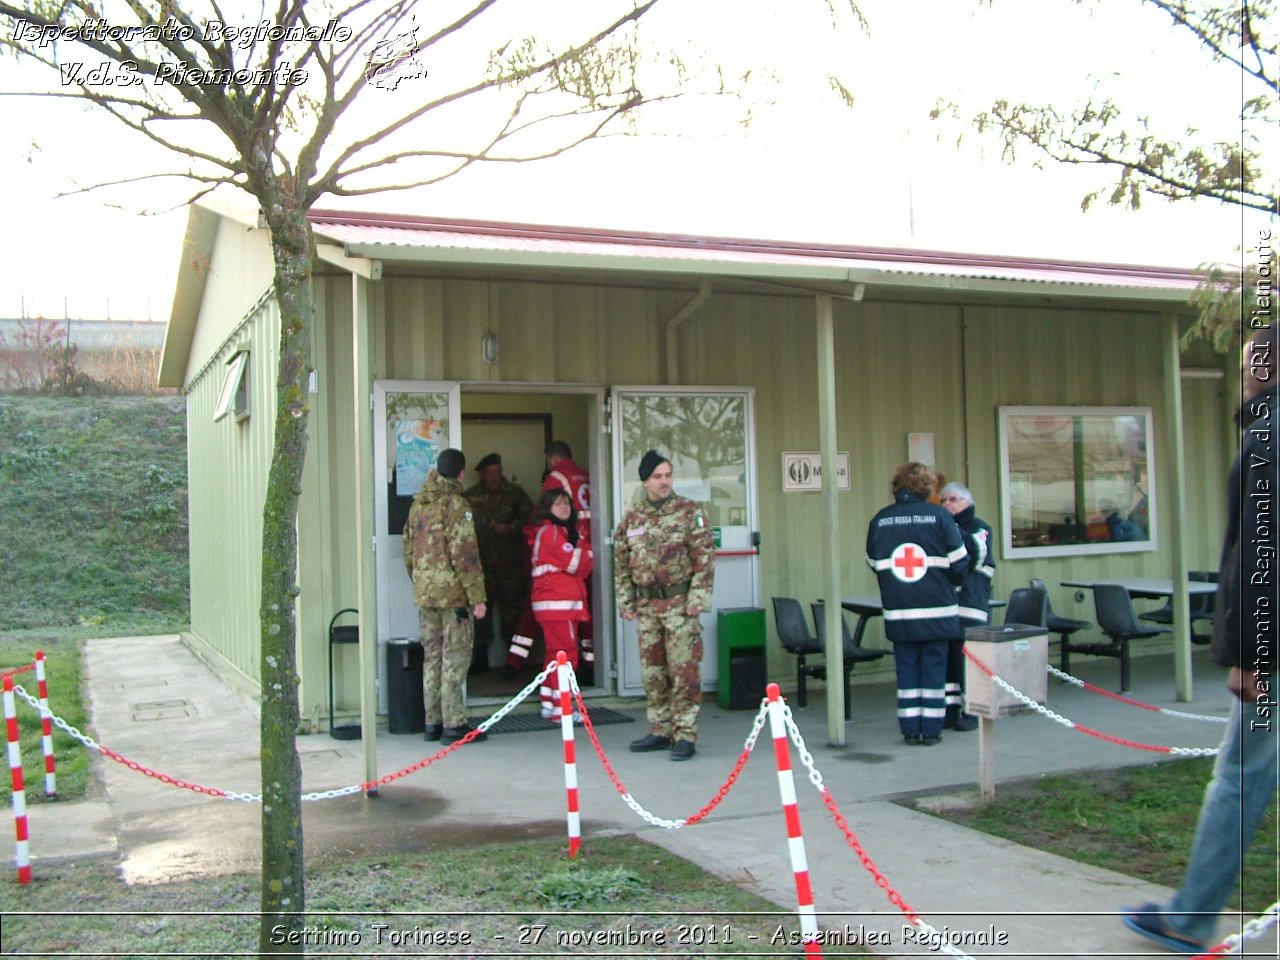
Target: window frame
x=234 y=397
x=1100 y=548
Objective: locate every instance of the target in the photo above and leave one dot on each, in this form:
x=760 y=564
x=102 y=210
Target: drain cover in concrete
x=162 y=710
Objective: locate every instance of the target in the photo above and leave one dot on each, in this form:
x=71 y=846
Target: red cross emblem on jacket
x=909 y=562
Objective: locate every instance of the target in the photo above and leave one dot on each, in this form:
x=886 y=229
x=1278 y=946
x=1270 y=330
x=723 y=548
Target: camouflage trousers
x=671 y=668
x=446 y=654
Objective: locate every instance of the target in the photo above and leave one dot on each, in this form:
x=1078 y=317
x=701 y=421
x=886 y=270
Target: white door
x=413 y=420
x=709 y=435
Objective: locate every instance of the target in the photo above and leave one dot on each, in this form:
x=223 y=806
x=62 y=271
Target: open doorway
x=517 y=424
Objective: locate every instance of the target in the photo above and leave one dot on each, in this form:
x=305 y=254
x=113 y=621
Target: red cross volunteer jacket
x=920 y=559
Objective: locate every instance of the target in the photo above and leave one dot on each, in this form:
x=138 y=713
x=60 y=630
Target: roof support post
x=366 y=562
x=1177 y=509
x=673 y=328
x=832 y=589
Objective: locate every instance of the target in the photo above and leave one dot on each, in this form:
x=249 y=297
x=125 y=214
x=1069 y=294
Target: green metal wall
x=227 y=465
x=901 y=368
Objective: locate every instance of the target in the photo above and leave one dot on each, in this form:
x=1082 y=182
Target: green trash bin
x=743 y=666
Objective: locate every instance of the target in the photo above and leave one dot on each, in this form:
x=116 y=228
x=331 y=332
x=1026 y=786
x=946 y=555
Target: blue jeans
x=1243 y=786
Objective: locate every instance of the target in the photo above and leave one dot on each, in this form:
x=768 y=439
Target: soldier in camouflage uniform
x=501 y=510
x=664 y=567
x=443 y=560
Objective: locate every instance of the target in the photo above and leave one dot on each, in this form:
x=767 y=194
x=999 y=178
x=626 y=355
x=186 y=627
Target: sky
x=806 y=168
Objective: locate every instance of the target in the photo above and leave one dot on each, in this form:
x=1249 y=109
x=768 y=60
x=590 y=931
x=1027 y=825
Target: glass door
x=413 y=420
x=709 y=434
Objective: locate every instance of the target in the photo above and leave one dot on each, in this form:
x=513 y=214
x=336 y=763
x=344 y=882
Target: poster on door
x=417 y=449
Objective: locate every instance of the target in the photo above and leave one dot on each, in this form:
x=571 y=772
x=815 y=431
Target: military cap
x=650 y=462
x=488 y=460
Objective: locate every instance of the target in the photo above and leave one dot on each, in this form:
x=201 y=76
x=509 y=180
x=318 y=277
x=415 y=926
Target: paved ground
x=152 y=701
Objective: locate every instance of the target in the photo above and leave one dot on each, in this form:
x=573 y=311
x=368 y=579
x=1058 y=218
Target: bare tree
x=270 y=107
x=1174 y=164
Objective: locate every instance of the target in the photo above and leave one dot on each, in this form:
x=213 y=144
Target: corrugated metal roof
x=419 y=238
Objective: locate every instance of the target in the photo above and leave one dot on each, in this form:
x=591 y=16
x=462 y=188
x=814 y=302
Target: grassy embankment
x=93 y=544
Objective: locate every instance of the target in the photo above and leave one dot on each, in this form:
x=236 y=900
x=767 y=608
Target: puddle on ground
x=865 y=757
x=216 y=841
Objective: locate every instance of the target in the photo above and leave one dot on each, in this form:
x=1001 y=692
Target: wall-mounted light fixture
x=489 y=347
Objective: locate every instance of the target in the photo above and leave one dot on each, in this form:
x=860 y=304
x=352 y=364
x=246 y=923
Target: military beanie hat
x=650 y=462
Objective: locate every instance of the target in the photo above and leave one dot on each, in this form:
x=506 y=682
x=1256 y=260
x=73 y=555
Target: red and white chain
x=631 y=801
x=1089 y=731
x=1253 y=928
x=1077 y=682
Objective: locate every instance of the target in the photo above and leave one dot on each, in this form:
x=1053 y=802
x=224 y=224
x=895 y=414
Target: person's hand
x=628 y=616
x=692 y=611
x=1244 y=684
x=479 y=610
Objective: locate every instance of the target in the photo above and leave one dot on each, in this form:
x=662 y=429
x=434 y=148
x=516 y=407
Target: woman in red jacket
x=561 y=565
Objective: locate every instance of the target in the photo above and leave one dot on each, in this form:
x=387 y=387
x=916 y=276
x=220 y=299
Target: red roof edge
x=768 y=247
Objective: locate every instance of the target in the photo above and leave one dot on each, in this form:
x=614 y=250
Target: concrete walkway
x=152 y=701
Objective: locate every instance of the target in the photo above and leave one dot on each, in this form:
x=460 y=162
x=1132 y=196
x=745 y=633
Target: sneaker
x=454 y=734
x=965 y=723
x=930 y=741
x=913 y=739
x=683 y=750
x=547 y=714
x=1148 y=921
x=432 y=732
x=650 y=742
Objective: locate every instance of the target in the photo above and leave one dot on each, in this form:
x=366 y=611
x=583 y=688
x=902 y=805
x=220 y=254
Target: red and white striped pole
x=46 y=729
x=570 y=758
x=795 y=840
x=22 y=853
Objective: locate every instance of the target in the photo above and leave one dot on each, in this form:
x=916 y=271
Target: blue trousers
x=1236 y=800
x=922 y=678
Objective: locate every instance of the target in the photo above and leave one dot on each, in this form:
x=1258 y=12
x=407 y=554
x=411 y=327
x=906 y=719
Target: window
x=1076 y=480
x=235 y=389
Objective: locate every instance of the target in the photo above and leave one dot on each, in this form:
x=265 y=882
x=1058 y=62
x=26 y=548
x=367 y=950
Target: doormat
x=524 y=722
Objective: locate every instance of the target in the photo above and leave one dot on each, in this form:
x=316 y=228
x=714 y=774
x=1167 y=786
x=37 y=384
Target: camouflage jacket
x=508 y=504
x=440 y=549
x=664 y=545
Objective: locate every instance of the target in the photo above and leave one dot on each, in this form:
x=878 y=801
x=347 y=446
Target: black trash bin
x=405 y=712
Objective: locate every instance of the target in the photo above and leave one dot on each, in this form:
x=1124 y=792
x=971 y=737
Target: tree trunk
x=283 y=875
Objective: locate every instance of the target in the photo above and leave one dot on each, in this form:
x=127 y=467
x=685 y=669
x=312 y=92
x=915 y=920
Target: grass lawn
x=1137 y=820
x=617 y=891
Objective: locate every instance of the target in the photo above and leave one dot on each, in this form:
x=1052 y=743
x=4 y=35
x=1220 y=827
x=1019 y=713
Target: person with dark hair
x=663 y=570
x=562 y=562
x=501 y=510
x=1244 y=776
x=564 y=473
x=920 y=559
x=974 y=596
x=443 y=560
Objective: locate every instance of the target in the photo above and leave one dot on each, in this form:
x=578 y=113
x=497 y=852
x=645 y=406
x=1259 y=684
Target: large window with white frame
x=1076 y=480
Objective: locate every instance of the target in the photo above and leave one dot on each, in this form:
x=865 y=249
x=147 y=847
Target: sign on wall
x=803 y=471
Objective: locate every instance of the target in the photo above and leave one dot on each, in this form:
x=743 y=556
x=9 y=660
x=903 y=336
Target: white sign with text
x=803 y=471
